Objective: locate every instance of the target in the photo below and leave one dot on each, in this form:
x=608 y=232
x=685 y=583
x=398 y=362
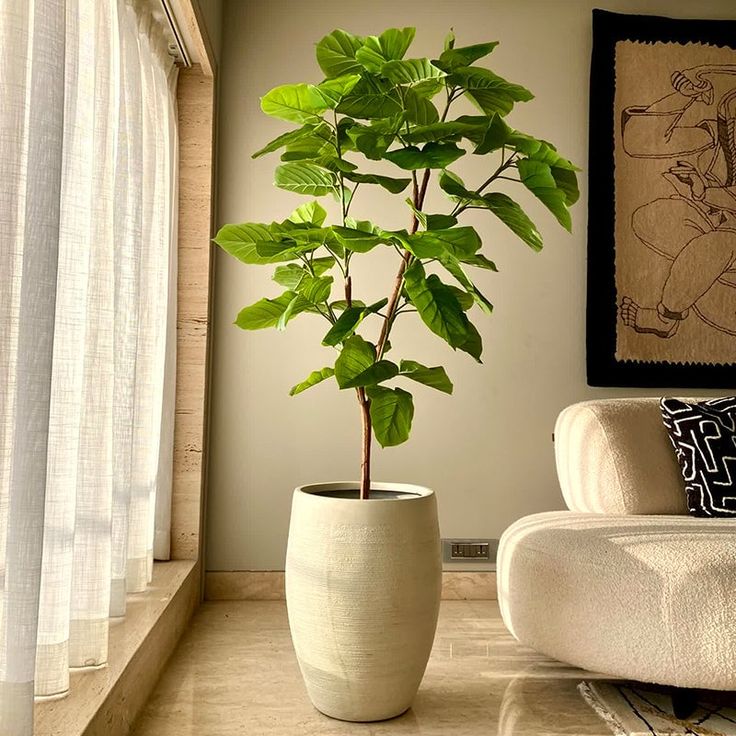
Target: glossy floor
x=235 y=673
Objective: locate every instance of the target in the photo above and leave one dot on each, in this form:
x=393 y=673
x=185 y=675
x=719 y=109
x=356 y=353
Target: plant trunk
x=365 y=464
x=420 y=191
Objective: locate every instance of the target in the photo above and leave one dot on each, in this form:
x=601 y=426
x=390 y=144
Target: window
x=87 y=331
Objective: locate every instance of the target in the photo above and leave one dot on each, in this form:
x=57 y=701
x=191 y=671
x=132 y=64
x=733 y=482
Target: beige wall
x=487 y=450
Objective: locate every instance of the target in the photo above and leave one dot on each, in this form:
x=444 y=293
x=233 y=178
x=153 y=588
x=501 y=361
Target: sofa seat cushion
x=648 y=598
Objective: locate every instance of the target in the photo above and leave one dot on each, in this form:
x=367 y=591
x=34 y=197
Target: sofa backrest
x=614 y=457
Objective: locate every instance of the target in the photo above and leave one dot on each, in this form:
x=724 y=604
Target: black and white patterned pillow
x=704 y=438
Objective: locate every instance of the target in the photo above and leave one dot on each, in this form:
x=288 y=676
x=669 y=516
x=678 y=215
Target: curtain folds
x=87 y=331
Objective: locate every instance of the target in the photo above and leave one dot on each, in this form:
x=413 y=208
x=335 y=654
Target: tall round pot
x=363 y=583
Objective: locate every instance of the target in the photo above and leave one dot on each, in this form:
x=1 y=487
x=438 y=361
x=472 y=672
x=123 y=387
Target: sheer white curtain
x=87 y=331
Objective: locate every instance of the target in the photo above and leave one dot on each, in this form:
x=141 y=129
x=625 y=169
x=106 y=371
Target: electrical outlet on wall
x=469 y=550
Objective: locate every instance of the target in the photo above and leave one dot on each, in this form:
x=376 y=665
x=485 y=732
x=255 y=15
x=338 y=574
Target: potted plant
x=363 y=562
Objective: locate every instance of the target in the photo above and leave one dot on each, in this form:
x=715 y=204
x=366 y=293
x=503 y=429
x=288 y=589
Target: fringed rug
x=646 y=710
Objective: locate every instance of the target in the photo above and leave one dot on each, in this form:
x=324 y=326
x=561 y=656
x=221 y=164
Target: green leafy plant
x=376 y=105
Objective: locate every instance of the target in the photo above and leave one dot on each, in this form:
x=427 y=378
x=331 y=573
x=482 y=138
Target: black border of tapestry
x=603 y=369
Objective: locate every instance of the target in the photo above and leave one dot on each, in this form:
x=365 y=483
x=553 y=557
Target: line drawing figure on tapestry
x=695 y=228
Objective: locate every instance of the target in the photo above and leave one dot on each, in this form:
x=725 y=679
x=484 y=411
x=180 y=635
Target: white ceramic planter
x=363 y=583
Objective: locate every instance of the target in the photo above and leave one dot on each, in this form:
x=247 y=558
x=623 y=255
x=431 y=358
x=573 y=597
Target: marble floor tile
x=235 y=673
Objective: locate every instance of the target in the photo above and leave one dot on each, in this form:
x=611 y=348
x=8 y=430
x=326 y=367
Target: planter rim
x=321 y=491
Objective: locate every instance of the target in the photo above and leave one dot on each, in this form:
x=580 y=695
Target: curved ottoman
x=645 y=598
x=637 y=589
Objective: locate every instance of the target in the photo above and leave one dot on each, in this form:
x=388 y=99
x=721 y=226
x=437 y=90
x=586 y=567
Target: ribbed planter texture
x=363 y=583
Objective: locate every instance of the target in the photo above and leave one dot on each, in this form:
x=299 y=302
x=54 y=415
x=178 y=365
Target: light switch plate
x=469 y=550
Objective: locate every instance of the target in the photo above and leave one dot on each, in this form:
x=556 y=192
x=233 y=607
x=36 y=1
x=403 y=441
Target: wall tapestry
x=662 y=212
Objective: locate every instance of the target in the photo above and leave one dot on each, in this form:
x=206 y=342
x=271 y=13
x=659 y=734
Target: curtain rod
x=177 y=48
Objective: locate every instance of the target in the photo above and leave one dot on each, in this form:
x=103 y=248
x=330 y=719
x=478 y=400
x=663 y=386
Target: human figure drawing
x=695 y=228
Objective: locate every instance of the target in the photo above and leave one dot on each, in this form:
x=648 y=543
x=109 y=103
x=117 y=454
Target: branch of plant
x=350 y=201
x=338 y=261
x=460 y=208
x=450 y=99
x=419 y=193
x=406 y=260
x=329 y=315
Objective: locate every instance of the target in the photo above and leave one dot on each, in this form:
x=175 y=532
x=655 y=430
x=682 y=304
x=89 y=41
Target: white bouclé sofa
x=625 y=583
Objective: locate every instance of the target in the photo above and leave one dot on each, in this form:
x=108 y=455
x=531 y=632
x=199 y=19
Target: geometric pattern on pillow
x=704 y=437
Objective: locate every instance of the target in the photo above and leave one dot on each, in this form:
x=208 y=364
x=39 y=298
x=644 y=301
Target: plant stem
x=365 y=463
x=495 y=175
x=419 y=192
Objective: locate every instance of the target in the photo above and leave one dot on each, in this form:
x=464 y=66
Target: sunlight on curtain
x=87 y=331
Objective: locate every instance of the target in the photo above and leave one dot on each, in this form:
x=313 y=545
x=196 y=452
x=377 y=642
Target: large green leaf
x=360 y=241
x=369 y=142
x=382 y=370
x=312 y=379
x=411 y=71
x=511 y=214
x=429 y=87
x=454 y=58
x=286 y=249
x=349 y=320
x=283 y=250
x=435 y=377
x=472 y=127
x=439 y=222
x=333 y=163
x=311 y=213
x=458 y=241
x=294 y=136
x=567 y=183
x=473 y=343
x=431 y=222
x=537 y=177
x=297 y=103
x=497 y=134
x=431 y=156
x=453 y=185
x=333 y=90
x=344 y=327
x=356 y=356
x=341 y=305
x=490 y=92
x=391 y=44
x=304 y=178
x=540 y=150
x=465 y=299
x=336 y=54
x=308 y=147
x=371 y=98
x=300 y=234
x=322 y=265
x=296 y=305
x=392 y=411
x=242 y=241
x=418 y=108
x=389 y=183
x=289 y=276
x=480 y=261
x=267 y=312
x=437 y=305
x=453 y=266
x=315 y=289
